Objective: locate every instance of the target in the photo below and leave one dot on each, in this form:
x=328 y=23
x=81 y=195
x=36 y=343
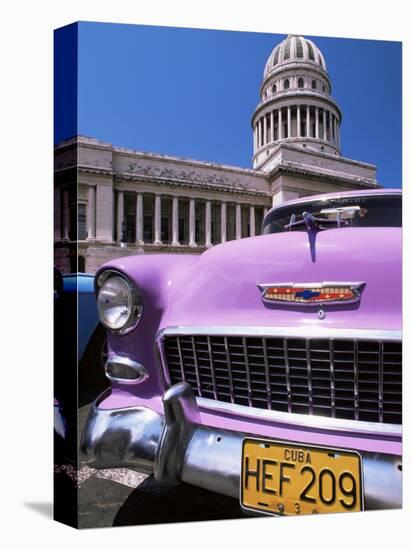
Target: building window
x=165 y=230
x=130 y=228
x=286 y=53
x=300 y=83
x=276 y=56
x=310 y=50
x=313 y=84
x=81 y=222
x=148 y=229
x=274 y=89
x=299 y=48
x=197 y=231
x=129 y=209
x=181 y=230
x=286 y=84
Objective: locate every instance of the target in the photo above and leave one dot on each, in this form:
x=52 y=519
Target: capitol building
x=112 y=201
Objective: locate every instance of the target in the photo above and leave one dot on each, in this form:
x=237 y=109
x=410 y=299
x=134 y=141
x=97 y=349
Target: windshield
x=363 y=211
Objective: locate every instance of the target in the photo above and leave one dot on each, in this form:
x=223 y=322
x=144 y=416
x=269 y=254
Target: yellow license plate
x=289 y=479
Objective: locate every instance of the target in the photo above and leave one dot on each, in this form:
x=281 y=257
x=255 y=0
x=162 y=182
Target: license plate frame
x=323 y=450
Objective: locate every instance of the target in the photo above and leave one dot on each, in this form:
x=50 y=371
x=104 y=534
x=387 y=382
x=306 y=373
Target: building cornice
x=92 y=143
x=322 y=155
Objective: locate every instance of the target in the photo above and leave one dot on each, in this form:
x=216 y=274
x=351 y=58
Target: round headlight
x=119 y=304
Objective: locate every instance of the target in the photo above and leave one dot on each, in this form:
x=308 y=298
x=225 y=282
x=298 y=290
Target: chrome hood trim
x=283 y=332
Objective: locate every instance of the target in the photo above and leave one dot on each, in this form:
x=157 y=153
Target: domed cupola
x=295 y=49
x=295 y=103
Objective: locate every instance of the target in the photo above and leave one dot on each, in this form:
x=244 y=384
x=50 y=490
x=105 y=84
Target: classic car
x=268 y=368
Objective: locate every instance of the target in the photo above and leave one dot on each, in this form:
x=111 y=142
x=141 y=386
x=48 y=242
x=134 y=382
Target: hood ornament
x=311 y=293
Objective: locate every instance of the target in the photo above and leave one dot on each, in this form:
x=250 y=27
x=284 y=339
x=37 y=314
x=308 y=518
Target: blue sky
x=192 y=93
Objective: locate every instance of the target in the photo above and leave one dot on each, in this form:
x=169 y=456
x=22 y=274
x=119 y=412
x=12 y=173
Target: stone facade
x=112 y=201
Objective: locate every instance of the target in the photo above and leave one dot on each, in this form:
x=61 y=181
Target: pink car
x=268 y=369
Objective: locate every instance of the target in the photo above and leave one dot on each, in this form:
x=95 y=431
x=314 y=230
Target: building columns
x=289 y=122
x=158 y=220
x=280 y=125
x=139 y=218
x=252 y=229
x=272 y=127
x=175 y=222
x=91 y=213
x=337 y=133
x=307 y=121
x=325 y=135
x=238 y=221
x=317 y=122
x=298 y=123
x=208 y=224
x=223 y=222
x=192 y=223
x=330 y=127
x=120 y=215
x=265 y=130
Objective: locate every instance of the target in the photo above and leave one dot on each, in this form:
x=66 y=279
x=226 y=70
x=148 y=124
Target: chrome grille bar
x=179 y=350
x=332 y=378
x=247 y=369
x=309 y=367
x=196 y=363
x=212 y=367
x=356 y=378
x=380 y=381
x=229 y=368
x=288 y=384
x=267 y=374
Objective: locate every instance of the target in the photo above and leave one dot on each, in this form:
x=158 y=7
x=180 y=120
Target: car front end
x=267 y=369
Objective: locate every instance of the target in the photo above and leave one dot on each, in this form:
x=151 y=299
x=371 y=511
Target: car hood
x=220 y=288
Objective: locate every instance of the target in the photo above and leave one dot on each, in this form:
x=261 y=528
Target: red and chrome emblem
x=311 y=293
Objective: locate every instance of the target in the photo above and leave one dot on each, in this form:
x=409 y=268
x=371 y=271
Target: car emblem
x=311 y=293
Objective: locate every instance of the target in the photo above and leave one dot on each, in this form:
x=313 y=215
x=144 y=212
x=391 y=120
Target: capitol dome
x=294 y=49
x=296 y=107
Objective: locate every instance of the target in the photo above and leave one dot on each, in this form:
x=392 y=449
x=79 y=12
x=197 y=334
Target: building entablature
x=288 y=158
x=184 y=190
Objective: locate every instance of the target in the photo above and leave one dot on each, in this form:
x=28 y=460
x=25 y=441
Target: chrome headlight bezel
x=136 y=301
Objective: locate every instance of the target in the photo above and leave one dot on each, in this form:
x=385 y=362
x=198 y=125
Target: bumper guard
x=176 y=448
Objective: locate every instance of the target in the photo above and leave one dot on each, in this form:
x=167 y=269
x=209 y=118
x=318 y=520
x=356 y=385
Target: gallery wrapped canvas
x=228 y=275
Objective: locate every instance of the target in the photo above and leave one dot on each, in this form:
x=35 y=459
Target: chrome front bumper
x=176 y=448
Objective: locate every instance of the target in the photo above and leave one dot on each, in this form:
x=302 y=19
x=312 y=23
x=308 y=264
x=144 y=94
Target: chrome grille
x=337 y=378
